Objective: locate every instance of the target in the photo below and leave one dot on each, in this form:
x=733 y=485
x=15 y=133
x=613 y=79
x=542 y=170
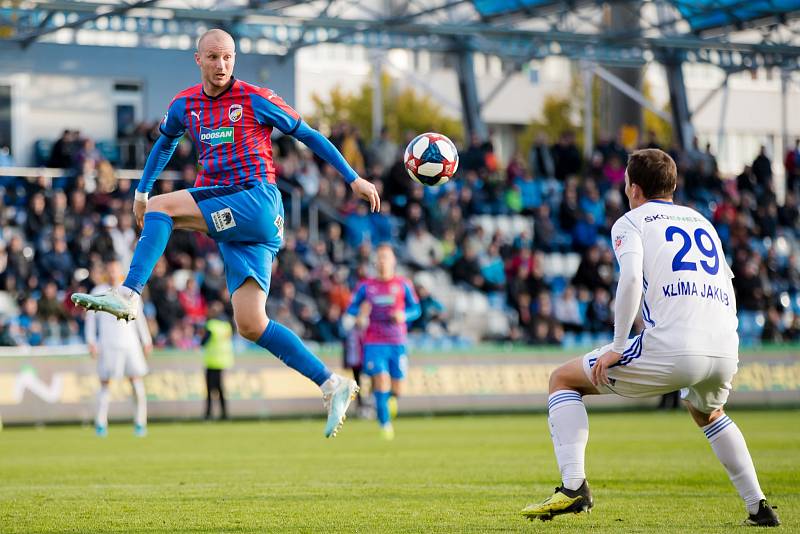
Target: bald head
x=216 y=55
x=214 y=38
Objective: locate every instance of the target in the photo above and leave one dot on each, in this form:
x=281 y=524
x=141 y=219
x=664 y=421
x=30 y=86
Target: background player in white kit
x=672 y=256
x=120 y=349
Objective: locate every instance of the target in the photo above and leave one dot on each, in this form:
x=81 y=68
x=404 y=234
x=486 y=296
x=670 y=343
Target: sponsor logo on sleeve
x=619 y=241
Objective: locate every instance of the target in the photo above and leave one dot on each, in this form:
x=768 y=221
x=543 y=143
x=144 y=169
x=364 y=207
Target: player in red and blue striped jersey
x=393 y=304
x=235 y=201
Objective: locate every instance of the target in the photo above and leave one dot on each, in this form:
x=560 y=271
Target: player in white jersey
x=672 y=263
x=120 y=349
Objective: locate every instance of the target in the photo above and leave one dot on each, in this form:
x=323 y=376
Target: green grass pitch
x=650 y=472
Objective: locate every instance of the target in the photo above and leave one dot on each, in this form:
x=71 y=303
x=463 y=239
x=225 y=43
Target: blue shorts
x=390 y=359
x=246 y=221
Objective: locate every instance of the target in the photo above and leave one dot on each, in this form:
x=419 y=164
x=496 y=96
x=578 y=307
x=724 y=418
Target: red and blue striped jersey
x=386 y=298
x=231 y=131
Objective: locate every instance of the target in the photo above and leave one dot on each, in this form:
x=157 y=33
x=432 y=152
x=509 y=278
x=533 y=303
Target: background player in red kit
x=235 y=201
x=393 y=303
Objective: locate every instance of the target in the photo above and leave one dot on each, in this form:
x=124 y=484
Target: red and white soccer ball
x=431 y=159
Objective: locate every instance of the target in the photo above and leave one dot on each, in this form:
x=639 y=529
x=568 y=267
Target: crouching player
x=671 y=260
x=119 y=348
x=393 y=303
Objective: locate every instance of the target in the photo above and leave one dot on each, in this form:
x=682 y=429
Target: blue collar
x=661 y=202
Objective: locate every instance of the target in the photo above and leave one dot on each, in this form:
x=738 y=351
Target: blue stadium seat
x=751 y=323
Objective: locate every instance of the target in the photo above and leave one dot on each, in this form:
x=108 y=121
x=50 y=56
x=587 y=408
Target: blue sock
x=382 y=406
x=151 y=245
x=285 y=344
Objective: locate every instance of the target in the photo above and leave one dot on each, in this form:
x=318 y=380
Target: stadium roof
x=518 y=30
x=700 y=15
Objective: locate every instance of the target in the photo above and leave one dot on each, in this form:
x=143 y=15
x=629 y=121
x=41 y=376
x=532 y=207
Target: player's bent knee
x=704 y=419
x=159 y=203
x=250 y=330
x=381 y=382
x=571 y=376
x=560 y=378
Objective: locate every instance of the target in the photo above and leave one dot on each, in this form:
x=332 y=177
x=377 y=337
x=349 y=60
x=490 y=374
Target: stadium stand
x=518 y=254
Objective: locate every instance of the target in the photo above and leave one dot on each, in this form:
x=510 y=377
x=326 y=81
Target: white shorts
x=704 y=381
x=117 y=363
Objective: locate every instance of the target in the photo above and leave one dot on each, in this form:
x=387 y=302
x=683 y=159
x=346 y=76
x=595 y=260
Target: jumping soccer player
x=120 y=350
x=235 y=201
x=690 y=343
x=393 y=303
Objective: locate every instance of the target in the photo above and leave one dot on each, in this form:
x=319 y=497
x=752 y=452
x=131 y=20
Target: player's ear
x=197 y=58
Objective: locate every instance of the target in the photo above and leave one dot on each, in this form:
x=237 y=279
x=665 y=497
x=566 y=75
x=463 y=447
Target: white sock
x=728 y=444
x=330 y=384
x=103 y=398
x=569 y=428
x=141 y=402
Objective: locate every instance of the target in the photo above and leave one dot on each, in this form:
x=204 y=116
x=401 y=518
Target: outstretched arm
x=322 y=147
x=159 y=156
x=272 y=110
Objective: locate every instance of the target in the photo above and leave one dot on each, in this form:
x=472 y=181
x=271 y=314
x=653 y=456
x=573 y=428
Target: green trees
x=404 y=110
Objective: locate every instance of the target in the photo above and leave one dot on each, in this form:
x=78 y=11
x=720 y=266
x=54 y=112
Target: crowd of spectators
x=56 y=234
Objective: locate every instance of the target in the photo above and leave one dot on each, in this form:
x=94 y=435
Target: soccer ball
x=431 y=159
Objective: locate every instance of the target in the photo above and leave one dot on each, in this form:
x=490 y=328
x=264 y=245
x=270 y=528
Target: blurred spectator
x=749 y=288
x=566 y=156
x=772 y=327
x=359 y=226
x=762 y=169
x=383 y=151
x=467 y=269
x=439 y=227
x=88 y=156
x=791 y=165
x=473 y=159
x=530 y=193
x=329 y=328
x=545 y=328
x=432 y=317
x=352 y=150
x=192 y=302
x=588 y=273
x=540 y=160
x=63 y=150
x=546 y=234
x=492 y=269
x=614 y=171
x=58 y=263
x=567 y=310
x=422 y=249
